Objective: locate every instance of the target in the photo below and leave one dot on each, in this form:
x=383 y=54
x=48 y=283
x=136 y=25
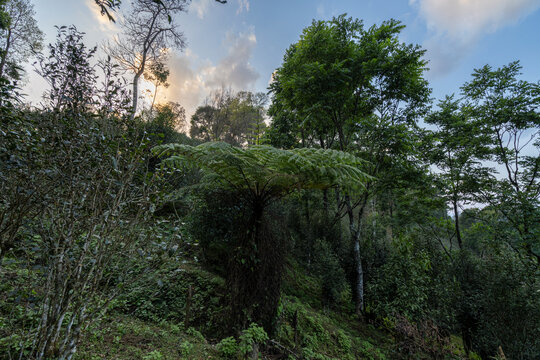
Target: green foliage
x=235 y=118
x=228 y=348
x=251 y=337
x=71 y=198
x=498 y=303
x=154 y=355
x=259 y=175
x=268 y=172
x=186 y=348
x=20 y=37
x=125 y=337
x=249 y=341
x=163 y=294
x=337 y=75
x=402 y=285
x=164 y=122
x=4 y=16
x=214 y=218
x=326 y=265
x=79 y=236
x=507 y=110
x=316 y=335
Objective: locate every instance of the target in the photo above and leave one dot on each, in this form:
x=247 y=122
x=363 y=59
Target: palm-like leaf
x=266 y=171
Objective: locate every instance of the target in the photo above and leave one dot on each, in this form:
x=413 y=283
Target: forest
x=343 y=214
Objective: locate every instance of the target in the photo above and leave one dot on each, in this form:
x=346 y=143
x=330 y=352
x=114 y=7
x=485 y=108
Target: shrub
x=227 y=348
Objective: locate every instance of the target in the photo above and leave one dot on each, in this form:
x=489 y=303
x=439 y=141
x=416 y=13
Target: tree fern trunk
x=255 y=274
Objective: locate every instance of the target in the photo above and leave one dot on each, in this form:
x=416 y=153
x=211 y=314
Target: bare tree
x=148 y=31
x=108 y=6
x=20 y=37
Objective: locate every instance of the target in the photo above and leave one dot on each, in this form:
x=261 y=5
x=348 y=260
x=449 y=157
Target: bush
x=164 y=294
x=402 y=285
x=227 y=348
x=253 y=336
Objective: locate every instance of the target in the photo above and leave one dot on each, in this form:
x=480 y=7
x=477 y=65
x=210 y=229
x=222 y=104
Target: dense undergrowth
x=150 y=323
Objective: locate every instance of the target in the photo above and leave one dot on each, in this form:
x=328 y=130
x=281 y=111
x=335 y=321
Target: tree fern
x=267 y=171
x=259 y=175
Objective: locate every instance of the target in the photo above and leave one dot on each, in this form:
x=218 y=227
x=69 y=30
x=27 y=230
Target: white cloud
x=320 y=10
x=243 y=5
x=235 y=69
x=191 y=79
x=200 y=7
x=468 y=19
x=457 y=25
x=103 y=21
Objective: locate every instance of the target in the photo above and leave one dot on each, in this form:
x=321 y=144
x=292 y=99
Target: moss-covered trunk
x=255 y=273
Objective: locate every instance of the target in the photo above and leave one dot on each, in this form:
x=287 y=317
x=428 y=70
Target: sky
x=240 y=44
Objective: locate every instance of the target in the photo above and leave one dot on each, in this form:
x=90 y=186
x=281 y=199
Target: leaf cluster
x=268 y=172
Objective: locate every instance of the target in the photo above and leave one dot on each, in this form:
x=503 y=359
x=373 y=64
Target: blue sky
x=239 y=44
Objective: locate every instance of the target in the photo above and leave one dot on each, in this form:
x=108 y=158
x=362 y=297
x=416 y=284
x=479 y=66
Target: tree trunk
x=359 y=288
x=154 y=98
x=456 y=222
x=355 y=229
x=255 y=272
x=326 y=204
x=135 y=93
x=5 y=53
x=309 y=233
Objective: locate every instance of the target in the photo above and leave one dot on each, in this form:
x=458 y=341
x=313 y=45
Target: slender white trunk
x=359 y=275
x=135 y=94
x=354 y=229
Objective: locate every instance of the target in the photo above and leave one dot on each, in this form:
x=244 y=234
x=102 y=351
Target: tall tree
x=4 y=17
x=355 y=89
x=147 y=31
x=235 y=118
x=508 y=111
x=20 y=38
x=457 y=149
x=260 y=175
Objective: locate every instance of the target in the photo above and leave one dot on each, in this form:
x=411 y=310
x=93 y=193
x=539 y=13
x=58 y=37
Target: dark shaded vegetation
x=323 y=235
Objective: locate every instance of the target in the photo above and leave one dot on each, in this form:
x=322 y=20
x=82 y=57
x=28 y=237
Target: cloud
x=191 y=79
x=235 y=69
x=320 y=10
x=200 y=7
x=460 y=24
x=103 y=21
x=243 y=5
x=468 y=19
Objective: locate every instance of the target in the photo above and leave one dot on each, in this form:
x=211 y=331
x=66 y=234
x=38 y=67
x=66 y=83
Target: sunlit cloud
x=235 y=69
x=455 y=26
x=192 y=79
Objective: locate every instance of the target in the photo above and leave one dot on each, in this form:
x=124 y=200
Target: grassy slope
x=305 y=329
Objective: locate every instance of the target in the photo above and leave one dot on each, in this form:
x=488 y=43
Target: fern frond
x=265 y=169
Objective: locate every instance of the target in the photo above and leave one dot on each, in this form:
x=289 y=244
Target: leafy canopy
x=267 y=172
